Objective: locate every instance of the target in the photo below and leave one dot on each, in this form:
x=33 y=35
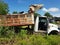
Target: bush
x=5 y=32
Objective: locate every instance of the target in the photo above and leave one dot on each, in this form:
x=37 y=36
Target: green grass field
x=31 y=40
x=9 y=37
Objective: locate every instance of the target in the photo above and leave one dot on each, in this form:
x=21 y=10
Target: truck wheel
x=53 y=32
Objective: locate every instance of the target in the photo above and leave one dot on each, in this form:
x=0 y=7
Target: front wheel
x=53 y=33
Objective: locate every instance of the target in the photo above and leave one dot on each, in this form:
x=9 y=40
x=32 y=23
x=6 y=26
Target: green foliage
x=36 y=14
x=53 y=39
x=48 y=15
x=5 y=32
x=22 y=34
x=15 y=12
x=31 y=40
x=38 y=40
x=8 y=37
x=3 y=8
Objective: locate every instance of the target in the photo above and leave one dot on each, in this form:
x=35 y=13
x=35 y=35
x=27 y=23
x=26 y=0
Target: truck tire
x=54 y=32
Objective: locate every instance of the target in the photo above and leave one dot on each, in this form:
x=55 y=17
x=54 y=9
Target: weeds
x=8 y=37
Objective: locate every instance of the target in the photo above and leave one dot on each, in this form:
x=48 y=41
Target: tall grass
x=9 y=37
x=5 y=32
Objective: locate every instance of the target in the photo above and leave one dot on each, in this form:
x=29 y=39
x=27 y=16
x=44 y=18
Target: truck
x=43 y=24
x=39 y=24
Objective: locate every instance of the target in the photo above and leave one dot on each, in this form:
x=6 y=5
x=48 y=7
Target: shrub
x=22 y=33
x=5 y=32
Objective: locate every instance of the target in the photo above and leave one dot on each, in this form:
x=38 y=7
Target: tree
x=15 y=12
x=48 y=15
x=37 y=14
x=4 y=9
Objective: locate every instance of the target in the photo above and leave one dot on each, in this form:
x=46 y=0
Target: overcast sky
x=51 y=6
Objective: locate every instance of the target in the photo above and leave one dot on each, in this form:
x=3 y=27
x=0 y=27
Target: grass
x=31 y=40
x=8 y=37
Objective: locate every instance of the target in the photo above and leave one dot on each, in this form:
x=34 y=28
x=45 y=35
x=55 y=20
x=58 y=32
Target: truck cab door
x=43 y=23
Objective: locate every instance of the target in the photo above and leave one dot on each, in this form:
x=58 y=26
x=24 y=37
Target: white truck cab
x=42 y=24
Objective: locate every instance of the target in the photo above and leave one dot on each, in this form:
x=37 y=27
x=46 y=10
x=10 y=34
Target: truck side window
x=51 y=21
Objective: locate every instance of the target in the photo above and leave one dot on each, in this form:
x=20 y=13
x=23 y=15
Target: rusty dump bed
x=16 y=20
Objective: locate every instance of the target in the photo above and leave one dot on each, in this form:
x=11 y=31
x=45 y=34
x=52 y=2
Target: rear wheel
x=30 y=29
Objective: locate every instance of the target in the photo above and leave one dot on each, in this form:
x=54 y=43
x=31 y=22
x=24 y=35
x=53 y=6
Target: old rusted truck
x=20 y=19
x=40 y=24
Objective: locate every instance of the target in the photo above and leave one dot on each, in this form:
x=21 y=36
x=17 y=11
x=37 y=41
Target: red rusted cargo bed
x=16 y=20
